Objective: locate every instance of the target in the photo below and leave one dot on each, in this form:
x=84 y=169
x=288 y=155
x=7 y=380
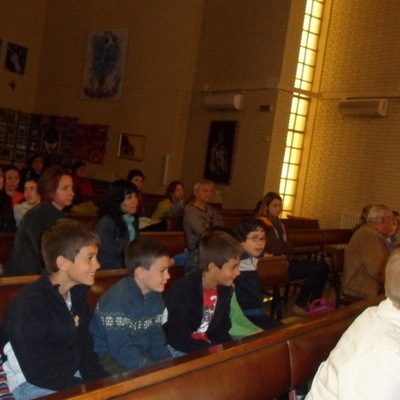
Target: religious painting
x=104 y=65
x=16 y=58
x=131 y=147
x=220 y=151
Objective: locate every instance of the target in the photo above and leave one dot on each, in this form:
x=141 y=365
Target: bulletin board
x=58 y=139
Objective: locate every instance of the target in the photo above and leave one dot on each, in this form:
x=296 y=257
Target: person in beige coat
x=367 y=255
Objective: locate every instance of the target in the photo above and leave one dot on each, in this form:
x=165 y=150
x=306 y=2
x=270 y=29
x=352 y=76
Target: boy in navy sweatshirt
x=126 y=325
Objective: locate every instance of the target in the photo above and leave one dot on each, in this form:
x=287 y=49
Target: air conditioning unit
x=224 y=101
x=364 y=107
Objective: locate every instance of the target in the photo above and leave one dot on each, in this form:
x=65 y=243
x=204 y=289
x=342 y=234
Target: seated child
x=252 y=233
x=199 y=303
x=32 y=197
x=126 y=325
x=45 y=331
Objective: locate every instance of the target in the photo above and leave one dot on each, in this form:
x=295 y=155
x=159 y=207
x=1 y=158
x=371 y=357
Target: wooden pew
x=300 y=223
x=173 y=241
x=260 y=367
x=274 y=273
x=10 y=286
x=319 y=241
x=327 y=245
x=86 y=219
x=6 y=242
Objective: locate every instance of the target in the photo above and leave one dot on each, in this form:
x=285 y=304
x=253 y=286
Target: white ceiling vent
x=364 y=107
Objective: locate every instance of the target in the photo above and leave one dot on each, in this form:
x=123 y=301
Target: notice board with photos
x=58 y=139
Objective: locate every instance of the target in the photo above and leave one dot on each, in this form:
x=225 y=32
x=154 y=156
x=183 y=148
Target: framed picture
x=220 y=151
x=16 y=58
x=104 y=66
x=131 y=147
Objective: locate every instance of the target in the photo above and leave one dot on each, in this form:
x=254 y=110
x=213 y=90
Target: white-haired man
x=198 y=217
x=367 y=254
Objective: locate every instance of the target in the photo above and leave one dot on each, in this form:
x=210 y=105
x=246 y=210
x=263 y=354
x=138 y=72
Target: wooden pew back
x=273 y=271
x=174 y=241
x=259 y=367
x=11 y=286
x=300 y=223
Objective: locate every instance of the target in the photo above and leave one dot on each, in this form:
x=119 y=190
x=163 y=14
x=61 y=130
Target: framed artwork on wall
x=131 y=147
x=104 y=65
x=220 y=151
x=16 y=58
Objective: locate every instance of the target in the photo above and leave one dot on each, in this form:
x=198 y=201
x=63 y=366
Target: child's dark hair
x=115 y=195
x=134 y=172
x=77 y=164
x=247 y=225
x=218 y=246
x=65 y=238
x=171 y=188
x=143 y=253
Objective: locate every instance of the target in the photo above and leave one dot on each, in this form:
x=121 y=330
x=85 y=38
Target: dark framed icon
x=16 y=58
x=220 y=151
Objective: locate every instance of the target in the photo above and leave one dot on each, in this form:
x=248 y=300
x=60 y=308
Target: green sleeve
x=241 y=326
x=162 y=208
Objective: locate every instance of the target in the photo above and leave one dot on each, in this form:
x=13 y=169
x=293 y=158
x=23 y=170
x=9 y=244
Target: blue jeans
x=27 y=391
x=175 y=353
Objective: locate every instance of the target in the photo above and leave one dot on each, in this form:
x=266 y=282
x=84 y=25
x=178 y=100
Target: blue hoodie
x=127 y=325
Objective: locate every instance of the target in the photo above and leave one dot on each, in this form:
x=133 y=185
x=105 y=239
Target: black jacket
x=7 y=221
x=184 y=301
x=51 y=342
x=25 y=258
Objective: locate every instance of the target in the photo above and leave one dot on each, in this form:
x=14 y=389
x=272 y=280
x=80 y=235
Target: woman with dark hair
x=173 y=204
x=117 y=225
x=34 y=169
x=56 y=188
x=314 y=272
x=136 y=176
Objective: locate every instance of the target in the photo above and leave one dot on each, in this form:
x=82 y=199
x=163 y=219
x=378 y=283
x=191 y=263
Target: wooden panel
x=173 y=241
x=273 y=271
x=300 y=223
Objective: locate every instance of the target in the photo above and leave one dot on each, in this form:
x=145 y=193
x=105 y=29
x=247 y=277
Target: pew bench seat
x=263 y=366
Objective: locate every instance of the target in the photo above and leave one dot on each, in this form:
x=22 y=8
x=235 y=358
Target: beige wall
x=354 y=160
x=21 y=23
x=175 y=50
x=157 y=83
x=178 y=49
x=242 y=49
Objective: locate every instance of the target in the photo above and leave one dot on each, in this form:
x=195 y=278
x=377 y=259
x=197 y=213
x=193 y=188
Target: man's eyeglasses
x=257 y=239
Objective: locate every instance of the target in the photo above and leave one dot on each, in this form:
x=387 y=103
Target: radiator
x=349 y=220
